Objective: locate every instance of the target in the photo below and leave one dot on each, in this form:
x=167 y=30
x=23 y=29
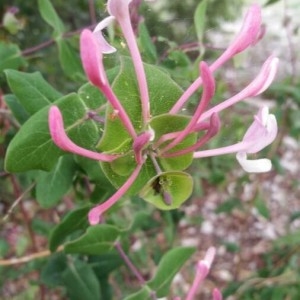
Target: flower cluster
x=146 y=146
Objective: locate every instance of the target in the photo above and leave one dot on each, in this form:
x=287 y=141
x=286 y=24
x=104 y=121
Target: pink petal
x=59 y=137
x=96 y=212
x=250 y=30
x=91 y=58
x=262 y=131
x=217 y=294
x=207 y=94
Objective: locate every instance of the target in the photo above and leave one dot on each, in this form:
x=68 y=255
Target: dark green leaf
x=199 y=20
x=146 y=44
x=98 y=239
x=69 y=60
x=104 y=264
x=271 y=2
x=81 y=281
x=168 y=267
x=163 y=93
x=75 y=220
x=32 y=146
x=51 y=274
x=10 y=57
x=228 y=205
x=32 y=90
x=51 y=186
x=17 y=109
x=261 y=207
x=49 y=14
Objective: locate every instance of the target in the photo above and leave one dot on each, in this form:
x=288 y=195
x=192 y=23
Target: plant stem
x=129 y=264
x=48 y=43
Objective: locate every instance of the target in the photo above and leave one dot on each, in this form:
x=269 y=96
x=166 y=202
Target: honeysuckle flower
x=120 y=10
x=60 y=138
x=217 y=294
x=153 y=148
x=257 y=86
x=91 y=58
x=260 y=134
x=245 y=38
x=96 y=212
x=202 y=269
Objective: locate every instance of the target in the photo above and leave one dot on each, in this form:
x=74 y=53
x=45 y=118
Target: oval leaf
x=168 y=190
x=168 y=267
x=34 y=141
x=73 y=221
x=98 y=239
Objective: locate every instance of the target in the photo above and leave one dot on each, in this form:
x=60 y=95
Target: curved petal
x=250 y=30
x=60 y=138
x=207 y=94
x=262 y=131
x=96 y=212
x=105 y=47
x=253 y=166
x=91 y=58
x=258 y=85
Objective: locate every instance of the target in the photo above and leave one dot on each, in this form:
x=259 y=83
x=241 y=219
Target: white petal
x=253 y=166
x=262 y=132
x=104 y=45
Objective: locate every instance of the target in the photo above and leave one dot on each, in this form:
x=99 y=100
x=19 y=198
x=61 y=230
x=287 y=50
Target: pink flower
x=204 y=123
x=203 y=267
x=260 y=134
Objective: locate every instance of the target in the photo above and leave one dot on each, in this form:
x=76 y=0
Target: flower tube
x=60 y=138
x=246 y=37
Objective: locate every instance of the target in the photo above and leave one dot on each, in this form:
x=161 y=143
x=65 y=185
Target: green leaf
x=34 y=141
x=10 y=56
x=229 y=205
x=168 y=267
x=17 y=109
x=94 y=172
x=178 y=186
x=119 y=170
x=143 y=294
x=51 y=274
x=271 y=2
x=164 y=124
x=51 y=186
x=199 y=21
x=115 y=138
x=261 y=207
x=288 y=240
x=163 y=93
x=146 y=44
x=32 y=90
x=49 y=14
x=73 y=221
x=98 y=239
x=104 y=264
x=69 y=60
x=81 y=281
